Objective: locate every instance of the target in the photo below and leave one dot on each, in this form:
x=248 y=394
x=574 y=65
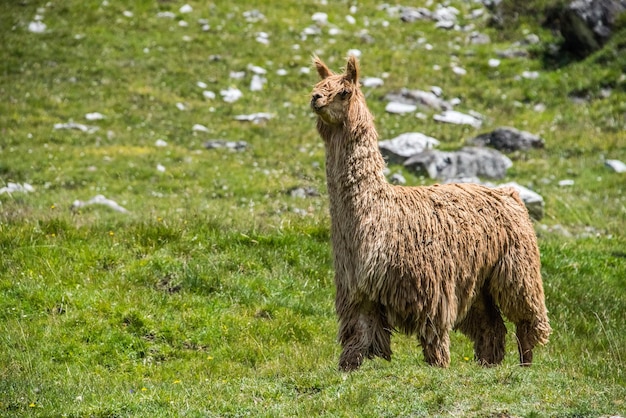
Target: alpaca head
x=331 y=96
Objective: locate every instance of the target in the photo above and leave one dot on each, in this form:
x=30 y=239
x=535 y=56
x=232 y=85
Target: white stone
x=37 y=27
x=166 y=15
x=320 y=18
x=231 y=95
x=458 y=70
x=396 y=107
x=617 y=165
x=94 y=116
x=372 y=82
x=458 y=118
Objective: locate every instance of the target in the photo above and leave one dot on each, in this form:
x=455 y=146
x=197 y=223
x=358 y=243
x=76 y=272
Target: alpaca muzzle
x=316 y=104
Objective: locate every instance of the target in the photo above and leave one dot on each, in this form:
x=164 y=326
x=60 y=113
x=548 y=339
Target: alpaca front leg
x=436 y=347
x=483 y=324
x=364 y=333
x=353 y=335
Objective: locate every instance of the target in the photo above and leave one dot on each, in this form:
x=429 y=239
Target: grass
x=214 y=295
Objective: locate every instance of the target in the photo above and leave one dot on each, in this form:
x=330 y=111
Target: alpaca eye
x=344 y=93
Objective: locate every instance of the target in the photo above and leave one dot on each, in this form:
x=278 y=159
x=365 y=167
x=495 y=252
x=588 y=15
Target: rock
x=530 y=75
x=320 y=18
x=513 y=53
x=17 y=187
x=199 y=128
x=533 y=201
x=458 y=70
x=419 y=97
x=397 y=178
x=586 y=25
x=186 y=9
x=99 y=200
x=400 y=148
x=255 y=117
x=445 y=24
x=257 y=82
x=231 y=94
x=372 y=82
x=231 y=145
x=477 y=38
x=253 y=16
x=37 y=27
x=411 y=14
x=467 y=162
x=303 y=192
x=508 y=139
x=616 y=165
x=94 y=116
x=397 y=107
x=458 y=118
x=77 y=126
x=566 y=182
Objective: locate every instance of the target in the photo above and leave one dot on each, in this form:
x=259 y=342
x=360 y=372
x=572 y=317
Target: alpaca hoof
x=350 y=363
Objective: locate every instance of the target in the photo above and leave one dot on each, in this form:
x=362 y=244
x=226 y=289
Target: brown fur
x=420 y=260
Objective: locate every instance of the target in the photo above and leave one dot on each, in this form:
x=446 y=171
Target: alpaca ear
x=352 y=70
x=321 y=68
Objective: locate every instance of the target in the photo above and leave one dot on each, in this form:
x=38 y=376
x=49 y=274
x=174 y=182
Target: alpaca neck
x=354 y=165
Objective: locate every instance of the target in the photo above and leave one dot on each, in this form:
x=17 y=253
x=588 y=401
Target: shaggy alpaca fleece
x=420 y=260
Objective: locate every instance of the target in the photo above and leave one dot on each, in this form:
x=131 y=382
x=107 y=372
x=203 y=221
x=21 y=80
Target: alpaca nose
x=314 y=99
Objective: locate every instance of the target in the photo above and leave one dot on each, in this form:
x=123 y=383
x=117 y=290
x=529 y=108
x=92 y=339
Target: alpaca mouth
x=316 y=107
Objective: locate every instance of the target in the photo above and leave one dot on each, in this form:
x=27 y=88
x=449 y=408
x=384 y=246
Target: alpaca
x=420 y=260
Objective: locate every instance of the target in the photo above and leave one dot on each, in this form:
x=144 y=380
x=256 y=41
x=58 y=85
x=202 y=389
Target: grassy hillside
x=213 y=295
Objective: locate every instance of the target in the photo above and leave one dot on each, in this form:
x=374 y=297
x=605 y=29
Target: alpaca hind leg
x=436 y=347
x=519 y=294
x=483 y=324
x=525 y=343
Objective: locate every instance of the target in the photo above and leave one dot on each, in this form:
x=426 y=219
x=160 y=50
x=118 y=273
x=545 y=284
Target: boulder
x=586 y=25
x=400 y=148
x=466 y=162
x=533 y=201
x=426 y=99
x=508 y=139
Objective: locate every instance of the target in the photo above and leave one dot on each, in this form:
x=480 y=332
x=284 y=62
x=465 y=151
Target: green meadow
x=213 y=295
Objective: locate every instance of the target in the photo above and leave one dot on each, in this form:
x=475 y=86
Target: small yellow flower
x=111 y=233
x=466 y=358
x=32 y=405
x=144 y=389
x=176 y=381
x=52 y=206
x=209 y=358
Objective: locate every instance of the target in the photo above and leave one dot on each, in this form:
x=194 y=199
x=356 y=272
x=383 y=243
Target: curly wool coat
x=420 y=260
